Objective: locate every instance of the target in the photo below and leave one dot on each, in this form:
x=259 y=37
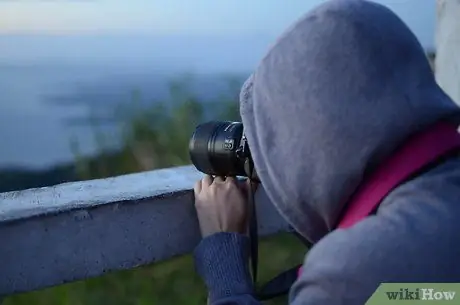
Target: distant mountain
x=12 y=179
x=19 y=178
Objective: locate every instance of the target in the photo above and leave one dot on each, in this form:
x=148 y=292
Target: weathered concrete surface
x=91 y=193
x=73 y=231
x=447 y=63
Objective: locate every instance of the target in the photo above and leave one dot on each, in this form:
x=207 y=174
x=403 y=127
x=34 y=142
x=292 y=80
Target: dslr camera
x=220 y=148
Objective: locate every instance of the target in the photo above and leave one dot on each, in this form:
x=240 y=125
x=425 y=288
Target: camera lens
x=213 y=148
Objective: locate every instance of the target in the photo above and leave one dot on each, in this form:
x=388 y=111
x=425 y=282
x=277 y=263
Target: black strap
x=278 y=286
x=281 y=284
x=253 y=234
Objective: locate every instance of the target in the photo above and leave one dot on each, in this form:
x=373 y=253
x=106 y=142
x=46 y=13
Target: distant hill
x=16 y=178
x=12 y=179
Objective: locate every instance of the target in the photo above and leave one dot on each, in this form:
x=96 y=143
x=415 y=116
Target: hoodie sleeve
x=222 y=261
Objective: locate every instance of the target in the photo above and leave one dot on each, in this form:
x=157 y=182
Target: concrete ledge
x=73 y=231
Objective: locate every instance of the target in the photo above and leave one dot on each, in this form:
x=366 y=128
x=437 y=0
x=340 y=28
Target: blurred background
x=93 y=89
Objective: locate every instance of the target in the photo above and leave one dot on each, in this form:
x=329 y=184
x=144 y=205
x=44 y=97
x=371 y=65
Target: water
x=42 y=107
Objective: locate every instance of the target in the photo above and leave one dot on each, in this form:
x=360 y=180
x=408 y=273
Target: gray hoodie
x=336 y=95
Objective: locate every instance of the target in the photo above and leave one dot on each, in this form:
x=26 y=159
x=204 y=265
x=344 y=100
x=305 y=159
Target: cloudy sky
x=202 y=17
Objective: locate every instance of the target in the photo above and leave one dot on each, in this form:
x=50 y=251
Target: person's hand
x=221 y=205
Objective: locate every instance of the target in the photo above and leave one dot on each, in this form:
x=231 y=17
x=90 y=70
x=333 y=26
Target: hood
x=333 y=97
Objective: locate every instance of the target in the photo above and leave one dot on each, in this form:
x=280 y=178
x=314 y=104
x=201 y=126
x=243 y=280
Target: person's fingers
x=207 y=181
x=197 y=187
x=231 y=180
x=219 y=179
x=242 y=184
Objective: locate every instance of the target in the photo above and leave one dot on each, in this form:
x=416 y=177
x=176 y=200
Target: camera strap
x=281 y=284
x=253 y=231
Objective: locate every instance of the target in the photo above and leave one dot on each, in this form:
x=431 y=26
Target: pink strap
x=419 y=151
x=299 y=271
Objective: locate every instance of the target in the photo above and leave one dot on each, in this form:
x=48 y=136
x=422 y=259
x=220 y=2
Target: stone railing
x=68 y=232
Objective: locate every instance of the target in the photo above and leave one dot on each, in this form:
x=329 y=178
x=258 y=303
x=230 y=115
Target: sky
x=186 y=17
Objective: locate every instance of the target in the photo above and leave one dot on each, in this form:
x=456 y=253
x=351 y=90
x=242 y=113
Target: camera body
x=220 y=148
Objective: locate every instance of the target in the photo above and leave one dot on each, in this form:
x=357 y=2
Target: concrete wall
x=448 y=47
x=73 y=231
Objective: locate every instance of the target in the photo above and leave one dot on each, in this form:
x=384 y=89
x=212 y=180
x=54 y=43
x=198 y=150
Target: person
x=337 y=93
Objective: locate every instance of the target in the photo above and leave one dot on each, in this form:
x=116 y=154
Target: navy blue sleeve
x=222 y=260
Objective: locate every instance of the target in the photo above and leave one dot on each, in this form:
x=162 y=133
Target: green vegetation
x=157 y=137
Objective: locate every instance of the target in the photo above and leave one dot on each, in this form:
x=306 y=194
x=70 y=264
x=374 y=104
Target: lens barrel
x=214 y=148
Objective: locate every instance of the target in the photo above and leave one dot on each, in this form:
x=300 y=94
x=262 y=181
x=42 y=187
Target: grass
x=157 y=137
